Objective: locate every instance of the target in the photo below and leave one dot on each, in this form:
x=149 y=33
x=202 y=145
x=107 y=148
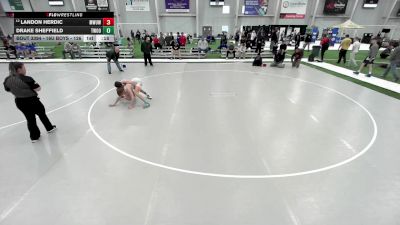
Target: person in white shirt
x=242 y=50
x=253 y=38
x=356 y=48
x=202 y=45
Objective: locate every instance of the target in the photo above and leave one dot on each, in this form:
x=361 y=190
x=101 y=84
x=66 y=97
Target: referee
x=25 y=89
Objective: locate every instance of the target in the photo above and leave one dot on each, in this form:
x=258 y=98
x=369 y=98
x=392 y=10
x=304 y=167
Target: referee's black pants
x=31 y=107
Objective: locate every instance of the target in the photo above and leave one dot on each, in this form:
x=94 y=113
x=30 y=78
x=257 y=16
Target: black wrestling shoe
x=52 y=130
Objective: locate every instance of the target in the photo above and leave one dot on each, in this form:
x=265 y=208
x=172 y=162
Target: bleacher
x=186 y=53
x=42 y=52
x=250 y=54
x=94 y=52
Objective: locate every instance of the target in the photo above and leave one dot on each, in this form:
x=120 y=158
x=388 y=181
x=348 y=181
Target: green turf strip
x=362 y=83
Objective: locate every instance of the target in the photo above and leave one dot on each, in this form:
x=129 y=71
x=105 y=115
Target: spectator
x=22 y=51
x=76 y=49
x=147 y=35
x=9 y=48
x=129 y=42
x=168 y=39
x=259 y=41
x=307 y=41
x=296 y=57
x=324 y=46
x=279 y=58
x=138 y=36
x=274 y=39
x=243 y=39
x=283 y=46
x=156 y=43
x=176 y=50
x=231 y=49
x=242 y=50
x=354 y=51
x=386 y=53
x=178 y=36
x=32 y=50
x=394 y=62
x=162 y=40
x=182 y=40
x=257 y=60
x=202 y=45
x=147 y=49
x=379 y=40
x=209 y=38
x=369 y=60
x=113 y=54
x=237 y=36
x=224 y=42
x=343 y=47
x=132 y=35
x=297 y=40
x=253 y=38
x=67 y=49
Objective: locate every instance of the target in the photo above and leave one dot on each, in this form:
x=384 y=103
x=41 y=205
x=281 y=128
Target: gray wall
x=212 y=16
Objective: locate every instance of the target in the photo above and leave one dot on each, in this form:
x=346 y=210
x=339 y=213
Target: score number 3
x=108 y=21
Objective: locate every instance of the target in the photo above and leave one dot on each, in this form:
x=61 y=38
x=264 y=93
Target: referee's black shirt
x=21 y=86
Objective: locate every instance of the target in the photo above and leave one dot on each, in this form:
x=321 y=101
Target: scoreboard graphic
x=64 y=26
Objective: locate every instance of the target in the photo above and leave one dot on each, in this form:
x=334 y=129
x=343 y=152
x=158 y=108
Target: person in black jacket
x=259 y=43
x=25 y=89
x=274 y=39
x=307 y=41
x=113 y=54
x=279 y=57
x=257 y=60
x=147 y=49
x=297 y=40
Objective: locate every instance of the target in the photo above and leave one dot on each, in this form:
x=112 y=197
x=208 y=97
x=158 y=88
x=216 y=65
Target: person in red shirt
x=156 y=43
x=324 y=45
x=182 y=40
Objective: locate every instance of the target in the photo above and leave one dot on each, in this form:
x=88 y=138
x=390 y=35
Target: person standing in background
x=307 y=41
x=394 y=62
x=147 y=49
x=132 y=35
x=369 y=60
x=297 y=40
x=138 y=36
x=25 y=89
x=274 y=39
x=253 y=38
x=324 y=46
x=176 y=52
x=259 y=43
x=354 y=51
x=68 y=49
x=182 y=40
x=343 y=47
x=156 y=42
x=162 y=40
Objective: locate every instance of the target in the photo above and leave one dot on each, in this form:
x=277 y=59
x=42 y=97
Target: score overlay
x=64 y=26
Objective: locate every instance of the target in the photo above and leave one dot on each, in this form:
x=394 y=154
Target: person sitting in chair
x=231 y=49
